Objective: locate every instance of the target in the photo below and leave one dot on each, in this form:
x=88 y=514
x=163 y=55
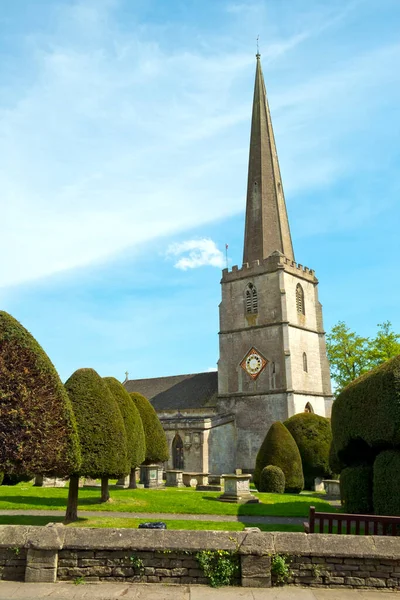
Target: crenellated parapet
x=270 y=264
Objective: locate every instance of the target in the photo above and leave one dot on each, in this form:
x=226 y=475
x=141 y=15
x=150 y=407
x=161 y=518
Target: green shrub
x=156 y=441
x=272 y=480
x=132 y=421
x=313 y=436
x=356 y=489
x=100 y=426
x=335 y=464
x=386 y=494
x=366 y=414
x=37 y=426
x=280 y=449
x=15 y=479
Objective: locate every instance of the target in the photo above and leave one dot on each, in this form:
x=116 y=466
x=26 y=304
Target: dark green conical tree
x=280 y=449
x=101 y=432
x=37 y=426
x=313 y=436
x=133 y=426
x=156 y=441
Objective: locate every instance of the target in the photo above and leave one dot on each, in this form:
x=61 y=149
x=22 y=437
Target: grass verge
x=171 y=500
x=105 y=522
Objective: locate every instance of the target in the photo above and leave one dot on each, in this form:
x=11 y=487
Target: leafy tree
x=280 y=450
x=384 y=346
x=101 y=432
x=37 y=426
x=351 y=355
x=347 y=354
x=136 y=445
x=156 y=441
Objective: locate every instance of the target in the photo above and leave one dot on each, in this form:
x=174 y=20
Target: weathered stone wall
x=111 y=565
x=253 y=417
x=349 y=572
x=12 y=563
x=222 y=448
x=48 y=553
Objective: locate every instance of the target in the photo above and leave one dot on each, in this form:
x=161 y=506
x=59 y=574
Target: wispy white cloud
x=117 y=139
x=198 y=253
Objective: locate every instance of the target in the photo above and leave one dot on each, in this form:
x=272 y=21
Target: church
x=272 y=355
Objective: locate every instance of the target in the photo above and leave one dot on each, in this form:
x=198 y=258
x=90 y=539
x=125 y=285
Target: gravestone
x=237 y=489
x=174 y=478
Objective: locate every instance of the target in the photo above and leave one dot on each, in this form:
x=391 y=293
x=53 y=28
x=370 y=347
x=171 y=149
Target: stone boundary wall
x=45 y=554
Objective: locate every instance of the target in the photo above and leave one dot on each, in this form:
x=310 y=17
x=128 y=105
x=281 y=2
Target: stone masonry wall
x=45 y=554
x=149 y=567
x=349 y=572
x=12 y=563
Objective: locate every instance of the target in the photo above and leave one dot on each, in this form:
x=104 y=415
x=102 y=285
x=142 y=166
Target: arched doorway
x=177 y=452
x=309 y=408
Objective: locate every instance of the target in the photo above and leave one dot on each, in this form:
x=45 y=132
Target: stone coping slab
x=58 y=537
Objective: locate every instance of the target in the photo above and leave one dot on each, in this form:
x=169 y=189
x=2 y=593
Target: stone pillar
x=89 y=482
x=256 y=571
x=123 y=482
x=174 y=478
x=332 y=488
x=41 y=481
x=41 y=566
x=149 y=475
x=237 y=489
x=202 y=478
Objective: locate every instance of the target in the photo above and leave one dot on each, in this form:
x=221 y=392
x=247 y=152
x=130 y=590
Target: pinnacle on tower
x=267 y=224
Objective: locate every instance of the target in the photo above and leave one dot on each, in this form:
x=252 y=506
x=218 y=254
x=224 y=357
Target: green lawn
x=25 y=496
x=133 y=523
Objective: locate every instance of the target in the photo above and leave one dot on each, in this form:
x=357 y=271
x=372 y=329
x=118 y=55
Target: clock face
x=253 y=363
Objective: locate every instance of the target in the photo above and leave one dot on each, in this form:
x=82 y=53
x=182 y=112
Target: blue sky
x=124 y=132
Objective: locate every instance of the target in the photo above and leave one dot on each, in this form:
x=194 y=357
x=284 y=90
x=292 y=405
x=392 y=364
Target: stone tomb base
x=174 y=478
x=237 y=489
x=151 y=476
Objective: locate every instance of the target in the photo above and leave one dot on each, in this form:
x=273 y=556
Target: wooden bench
x=351 y=524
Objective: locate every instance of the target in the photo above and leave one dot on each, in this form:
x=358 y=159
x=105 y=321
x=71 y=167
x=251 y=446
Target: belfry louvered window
x=251 y=299
x=300 y=299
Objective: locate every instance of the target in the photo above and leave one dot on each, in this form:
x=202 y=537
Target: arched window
x=251 y=299
x=177 y=452
x=308 y=408
x=305 y=366
x=300 y=299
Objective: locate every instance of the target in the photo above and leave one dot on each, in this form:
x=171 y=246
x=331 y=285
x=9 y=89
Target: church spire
x=267 y=225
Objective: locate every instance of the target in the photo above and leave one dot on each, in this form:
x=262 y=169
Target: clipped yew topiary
x=386 y=480
x=37 y=425
x=356 y=489
x=280 y=449
x=366 y=414
x=313 y=436
x=156 y=441
x=101 y=432
x=272 y=480
x=136 y=446
x=335 y=464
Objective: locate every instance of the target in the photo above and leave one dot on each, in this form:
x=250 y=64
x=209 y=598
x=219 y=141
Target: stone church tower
x=273 y=360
